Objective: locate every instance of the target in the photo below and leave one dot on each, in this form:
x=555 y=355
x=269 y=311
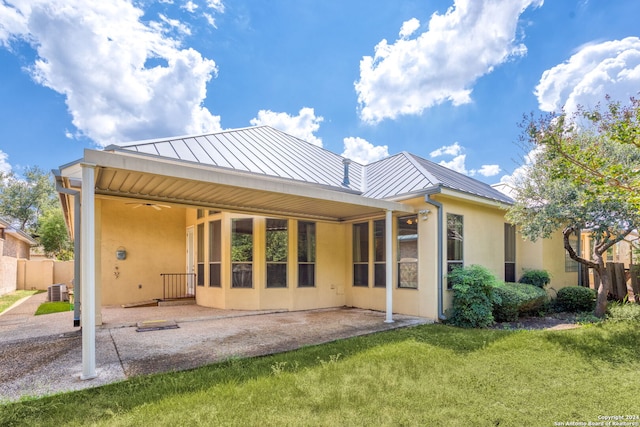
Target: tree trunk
x=603 y=291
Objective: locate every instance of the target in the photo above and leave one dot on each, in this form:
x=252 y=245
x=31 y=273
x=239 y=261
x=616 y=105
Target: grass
x=426 y=375
x=8 y=300
x=53 y=307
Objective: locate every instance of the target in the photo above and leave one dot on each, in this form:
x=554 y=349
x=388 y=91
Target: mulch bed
x=556 y=321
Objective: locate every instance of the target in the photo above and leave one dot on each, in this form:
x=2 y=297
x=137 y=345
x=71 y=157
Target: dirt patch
x=556 y=321
x=29 y=356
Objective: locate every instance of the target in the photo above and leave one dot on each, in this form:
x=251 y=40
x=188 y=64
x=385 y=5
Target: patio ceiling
x=140 y=177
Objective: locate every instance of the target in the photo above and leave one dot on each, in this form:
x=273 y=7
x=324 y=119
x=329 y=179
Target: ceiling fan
x=155 y=206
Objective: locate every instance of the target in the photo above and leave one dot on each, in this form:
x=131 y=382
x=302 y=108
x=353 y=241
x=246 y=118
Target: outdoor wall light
x=424 y=214
x=121 y=253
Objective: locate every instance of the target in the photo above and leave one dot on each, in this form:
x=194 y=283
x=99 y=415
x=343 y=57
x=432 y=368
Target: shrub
x=473 y=297
x=576 y=298
x=539 y=278
x=621 y=312
x=517 y=299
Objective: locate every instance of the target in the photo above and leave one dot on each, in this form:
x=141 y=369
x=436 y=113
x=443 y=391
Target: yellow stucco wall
x=154 y=242
x=547 y=254
x=553 y=260
x=42 y=273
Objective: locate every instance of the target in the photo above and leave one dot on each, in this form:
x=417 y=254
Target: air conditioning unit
x=57 y=293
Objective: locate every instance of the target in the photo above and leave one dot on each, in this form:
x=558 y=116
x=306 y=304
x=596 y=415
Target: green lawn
x=430 y=375
x=8 y=300
x=53 y=307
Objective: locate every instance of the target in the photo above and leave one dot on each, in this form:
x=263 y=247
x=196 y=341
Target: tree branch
x=572 y=253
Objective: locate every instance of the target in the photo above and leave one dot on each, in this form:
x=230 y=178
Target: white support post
x=88 y=273
x=389 y=268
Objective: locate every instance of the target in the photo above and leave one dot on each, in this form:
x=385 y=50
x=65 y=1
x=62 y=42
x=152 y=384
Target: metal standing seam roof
x=264 y=150
x=261 y=150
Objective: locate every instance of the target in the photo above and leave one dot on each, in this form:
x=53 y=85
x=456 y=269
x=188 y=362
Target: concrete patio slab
x=41 y=355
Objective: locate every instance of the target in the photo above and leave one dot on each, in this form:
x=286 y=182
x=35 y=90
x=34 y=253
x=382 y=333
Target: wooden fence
x=625 y=282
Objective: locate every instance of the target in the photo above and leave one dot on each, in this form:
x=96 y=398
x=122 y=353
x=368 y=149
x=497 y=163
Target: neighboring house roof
x=266 y=151
x=20 y=235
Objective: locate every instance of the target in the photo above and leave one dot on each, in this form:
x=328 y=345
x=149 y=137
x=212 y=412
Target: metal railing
x=178 y=285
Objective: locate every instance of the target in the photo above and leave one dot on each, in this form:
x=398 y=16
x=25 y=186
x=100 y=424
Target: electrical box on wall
x=121 y=254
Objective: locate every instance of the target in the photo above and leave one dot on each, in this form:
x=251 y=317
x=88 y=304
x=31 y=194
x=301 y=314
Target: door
x=190 y=282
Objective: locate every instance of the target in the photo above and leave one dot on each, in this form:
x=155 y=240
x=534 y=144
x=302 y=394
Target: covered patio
x=121 y=176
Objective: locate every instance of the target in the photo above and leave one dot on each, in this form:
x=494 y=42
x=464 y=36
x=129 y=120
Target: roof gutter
x=440 y=234
x=76 y=243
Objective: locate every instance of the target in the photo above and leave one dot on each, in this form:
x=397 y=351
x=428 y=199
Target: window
x=379 y=253
x=200 y=255
x=609 y=254
x=361 y=254
x=454 y=242
x=241 y=253
x=306 y=254
x=277 y=241
x=509 y=253
x=408 y=252
x=200 y=213
x=215 y=253
x=571 y=266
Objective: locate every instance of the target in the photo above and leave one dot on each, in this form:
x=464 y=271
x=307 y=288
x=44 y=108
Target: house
x=14 y=245
x=255 y=218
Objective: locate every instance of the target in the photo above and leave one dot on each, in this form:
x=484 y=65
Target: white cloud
x=190 y=6
x=441 y=64
x=362 y=151
x=175 y=24
x=210 y=19
x=123 y=80
x=595 y=70
x=302 y=126
x=5 y=167
x=216 y=5
x=458 y=163
x=521 y=171
x=451 y=150
x=409 y=27
x=489 y=170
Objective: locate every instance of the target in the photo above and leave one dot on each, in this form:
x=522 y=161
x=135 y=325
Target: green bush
x=539 y=278
x=621 y=312
x=576 y=298
x=473 y=297
x=517 y=299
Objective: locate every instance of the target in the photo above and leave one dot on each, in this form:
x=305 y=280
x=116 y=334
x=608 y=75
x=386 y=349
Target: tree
x=53 y=235
x=23 y=200
x=584 y=176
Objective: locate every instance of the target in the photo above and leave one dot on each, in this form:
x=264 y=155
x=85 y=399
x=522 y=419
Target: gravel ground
x=42 y=355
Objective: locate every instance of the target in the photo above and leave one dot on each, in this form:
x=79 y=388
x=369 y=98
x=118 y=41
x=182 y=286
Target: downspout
x=440 y=235
x=76 y=246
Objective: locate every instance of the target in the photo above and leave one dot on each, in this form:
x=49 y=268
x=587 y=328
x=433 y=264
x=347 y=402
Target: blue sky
x=448 y=80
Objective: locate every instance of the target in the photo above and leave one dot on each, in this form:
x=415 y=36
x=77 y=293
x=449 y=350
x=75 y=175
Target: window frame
x=360 y=254
x=454 y=262
x=380 y=253
x=215 y=253
x=279 y=263
x=200 y=245
x=307 y=259
x=240 y=265
x=509 y=252
x=408 y=262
